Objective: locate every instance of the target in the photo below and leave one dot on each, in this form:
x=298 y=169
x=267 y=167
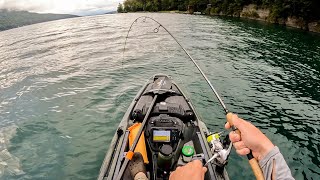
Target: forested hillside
x=13 y=19
x=277 y=11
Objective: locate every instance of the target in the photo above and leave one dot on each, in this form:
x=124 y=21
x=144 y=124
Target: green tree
x=306 y=9
x=120 y=8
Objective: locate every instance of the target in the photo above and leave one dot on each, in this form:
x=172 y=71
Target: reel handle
x=252 y=161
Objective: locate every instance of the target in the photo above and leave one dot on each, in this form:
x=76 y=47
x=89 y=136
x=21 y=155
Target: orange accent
x=141 y=146
x=129 y=155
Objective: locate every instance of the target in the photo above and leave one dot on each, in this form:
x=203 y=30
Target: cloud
x=61 y=6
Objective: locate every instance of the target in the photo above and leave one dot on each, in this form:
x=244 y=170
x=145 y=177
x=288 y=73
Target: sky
x=77 y=7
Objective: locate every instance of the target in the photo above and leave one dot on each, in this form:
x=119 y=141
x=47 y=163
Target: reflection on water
x=64 y=87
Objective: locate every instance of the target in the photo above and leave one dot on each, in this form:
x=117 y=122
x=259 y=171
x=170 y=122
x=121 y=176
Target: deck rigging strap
x=252 y=161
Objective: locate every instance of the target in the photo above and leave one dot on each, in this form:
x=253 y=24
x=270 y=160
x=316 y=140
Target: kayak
x=172 y=136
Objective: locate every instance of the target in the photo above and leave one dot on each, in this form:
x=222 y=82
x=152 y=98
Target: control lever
x=199 y=157
x=211 y=159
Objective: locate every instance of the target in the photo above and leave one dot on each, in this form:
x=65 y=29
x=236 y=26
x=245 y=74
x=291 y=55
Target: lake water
x=65 y=85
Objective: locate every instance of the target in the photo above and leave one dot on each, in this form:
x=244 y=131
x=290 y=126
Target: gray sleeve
x=274 y=166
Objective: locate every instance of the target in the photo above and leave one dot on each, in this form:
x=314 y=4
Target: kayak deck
x=173 y=135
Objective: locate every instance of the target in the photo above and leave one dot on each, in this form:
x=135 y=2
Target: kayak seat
x=172 y=101
x=175 y=106
x=172 y=109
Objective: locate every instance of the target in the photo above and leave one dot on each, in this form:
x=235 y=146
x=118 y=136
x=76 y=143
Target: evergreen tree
x=120 y=8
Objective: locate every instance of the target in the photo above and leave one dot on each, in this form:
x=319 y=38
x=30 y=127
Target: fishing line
x=159 y=64
x=156 y=30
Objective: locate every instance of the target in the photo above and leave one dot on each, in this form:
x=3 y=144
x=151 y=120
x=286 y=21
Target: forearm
x=274 y=166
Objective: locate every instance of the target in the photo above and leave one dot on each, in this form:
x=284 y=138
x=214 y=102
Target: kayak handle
x=252 y=161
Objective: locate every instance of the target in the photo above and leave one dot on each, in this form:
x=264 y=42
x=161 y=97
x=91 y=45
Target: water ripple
x=64 y=87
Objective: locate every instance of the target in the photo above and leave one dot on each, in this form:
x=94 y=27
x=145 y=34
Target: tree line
x=307 y=9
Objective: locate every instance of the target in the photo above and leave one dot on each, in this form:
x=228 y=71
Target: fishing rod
x=252 y=161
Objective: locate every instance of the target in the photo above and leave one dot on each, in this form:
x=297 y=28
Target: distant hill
x=111 y=12
x=13 y=19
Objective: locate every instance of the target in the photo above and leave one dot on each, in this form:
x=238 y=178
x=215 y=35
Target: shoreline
x=263 y=16
x=270 y=23
x=254 y=12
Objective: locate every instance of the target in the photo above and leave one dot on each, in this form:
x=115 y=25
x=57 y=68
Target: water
x=64 y=88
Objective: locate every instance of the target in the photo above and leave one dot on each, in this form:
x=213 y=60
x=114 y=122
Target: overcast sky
x=79 y=7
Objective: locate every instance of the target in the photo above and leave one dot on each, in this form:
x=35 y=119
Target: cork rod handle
x=252 y=161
